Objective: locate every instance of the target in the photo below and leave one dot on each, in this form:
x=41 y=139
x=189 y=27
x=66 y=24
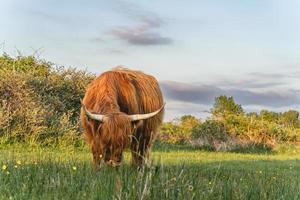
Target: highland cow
x=121 y=109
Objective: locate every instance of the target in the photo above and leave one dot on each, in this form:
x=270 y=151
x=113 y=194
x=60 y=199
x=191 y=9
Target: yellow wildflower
x=74 y=168
x=4 y=167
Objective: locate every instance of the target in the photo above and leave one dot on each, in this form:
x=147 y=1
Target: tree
x=25 y=65
x=225 y=105
x=290 y=118
x=187 y=122
x=178 y=131
x=269 y=116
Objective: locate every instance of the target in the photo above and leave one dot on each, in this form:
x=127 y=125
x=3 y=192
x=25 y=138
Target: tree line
x=230 y=127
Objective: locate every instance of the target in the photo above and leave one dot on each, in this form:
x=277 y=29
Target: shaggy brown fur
x=117 y=94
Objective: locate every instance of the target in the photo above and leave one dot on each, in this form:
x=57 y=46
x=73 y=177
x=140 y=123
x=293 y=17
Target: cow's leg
x=137 y=158
x=134 y=151
x=95 y=144
x=140 y=148
x=97 y=154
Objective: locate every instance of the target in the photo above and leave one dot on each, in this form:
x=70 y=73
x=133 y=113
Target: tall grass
x=67 y=174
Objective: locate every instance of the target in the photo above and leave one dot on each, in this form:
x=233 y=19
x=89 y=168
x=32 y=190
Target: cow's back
x=139 y=93
x=142 y=95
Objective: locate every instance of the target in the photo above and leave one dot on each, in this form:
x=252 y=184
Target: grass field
x=28 y=173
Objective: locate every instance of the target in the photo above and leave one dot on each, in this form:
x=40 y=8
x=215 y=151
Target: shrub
x=39 y=102
x=212 y=135
x=178 y=131
x=21 y=115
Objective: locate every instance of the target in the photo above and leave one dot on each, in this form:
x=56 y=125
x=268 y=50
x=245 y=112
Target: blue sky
x=196 y=49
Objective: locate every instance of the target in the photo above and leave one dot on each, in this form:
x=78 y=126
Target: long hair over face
x=115 y=134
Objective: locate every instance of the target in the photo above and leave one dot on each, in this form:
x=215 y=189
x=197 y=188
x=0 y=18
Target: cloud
x=140 y=36
x=266 y=98
x=145 y=32
x=252 y=83
x=200 y=94
x=205 y=94
x=258 y=80
x=283 y=75
x=276 y=91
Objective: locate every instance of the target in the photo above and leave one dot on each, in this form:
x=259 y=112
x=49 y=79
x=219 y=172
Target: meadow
x=67 y=173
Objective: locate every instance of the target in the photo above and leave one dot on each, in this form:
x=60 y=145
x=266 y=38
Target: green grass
x=66 y=173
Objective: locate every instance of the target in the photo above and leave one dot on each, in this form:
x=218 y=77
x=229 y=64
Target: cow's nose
x=113 y=163
x=110 y=162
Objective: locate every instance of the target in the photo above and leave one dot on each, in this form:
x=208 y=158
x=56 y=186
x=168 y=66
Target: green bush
x=257 y=130
x=211 y=130
x=267 y=127
x=178 y=131
x=39 y=102
x=211 y=135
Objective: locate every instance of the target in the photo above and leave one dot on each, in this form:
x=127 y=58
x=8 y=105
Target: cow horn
x=97 y=117
x=145 y=116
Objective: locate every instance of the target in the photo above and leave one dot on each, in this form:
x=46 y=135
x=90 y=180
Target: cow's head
x=114 y=132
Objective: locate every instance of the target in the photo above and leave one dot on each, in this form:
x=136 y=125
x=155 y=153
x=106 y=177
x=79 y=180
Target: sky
x=196 y=49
